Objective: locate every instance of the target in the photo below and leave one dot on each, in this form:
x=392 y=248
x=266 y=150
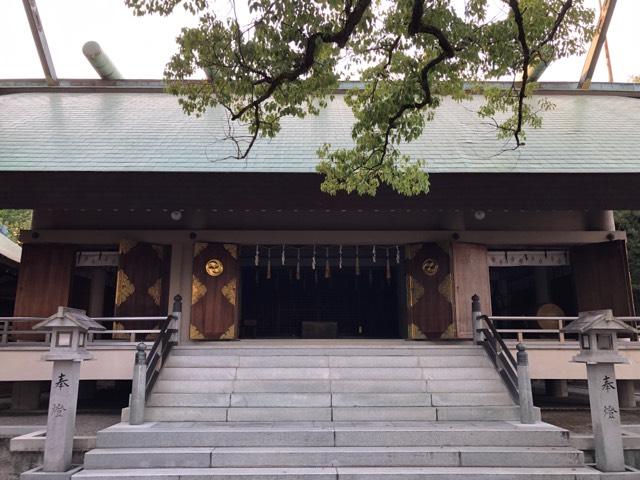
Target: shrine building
x=135 y=202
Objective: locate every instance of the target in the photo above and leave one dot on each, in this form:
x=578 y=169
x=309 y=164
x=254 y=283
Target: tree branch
x=418 y=26
x=528 y=53
x=308 y=57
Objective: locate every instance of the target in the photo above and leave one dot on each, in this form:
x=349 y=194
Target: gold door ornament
x=430 y=267
x=124 y=288
x=415 y=291
x=232 y=249
x=155 y=291
x=198 y=290
x=446 y=288
x=229 y=292
x=214 y=267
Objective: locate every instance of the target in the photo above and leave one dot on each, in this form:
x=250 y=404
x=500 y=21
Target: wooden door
x=44 y=279
x=429 y=292
x=44 y=282
x=214 y=292
x=470 y=277
x=142 y=288
x=601 y=274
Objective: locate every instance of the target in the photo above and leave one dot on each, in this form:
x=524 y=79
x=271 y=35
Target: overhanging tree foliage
x=285 y=57
x=629 y=221
x=15 y=220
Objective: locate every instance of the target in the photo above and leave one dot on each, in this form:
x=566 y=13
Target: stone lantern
x=68 y=328
x=598 y=333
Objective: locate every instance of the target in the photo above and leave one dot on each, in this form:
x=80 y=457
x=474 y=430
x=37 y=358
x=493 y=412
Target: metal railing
x=14 y=331
x=500 y=355
x=514 y=373
x=543 y=333
x=163 y=344
x=147 y=367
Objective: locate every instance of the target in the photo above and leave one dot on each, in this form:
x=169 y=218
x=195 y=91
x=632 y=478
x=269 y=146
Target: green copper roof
x=149 y=132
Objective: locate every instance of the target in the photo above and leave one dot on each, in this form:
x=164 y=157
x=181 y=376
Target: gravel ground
x=87 y=424
x=579 y=421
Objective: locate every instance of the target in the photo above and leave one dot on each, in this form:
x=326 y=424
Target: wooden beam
x=530 y=238
x=599 y=37
x=606 y=53
x=40 y=40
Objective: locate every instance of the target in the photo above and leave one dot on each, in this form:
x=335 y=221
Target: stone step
x=466 y=473
x=333 y=456
x=452 y=434
x=476 y=373
x=320 y=361
x=213 y=473
x=381 y=400
x=347 y=473
x=282 y=386
x=378 y=386
x=471 y=399
x=251 y=386
x=197 y=373
x=281 y=400
x=479 y=413
x=287 y=349
x=193 y=386
x=364 y=414
x=329 y=434
x=329 y=386
x=468 y=413
x=330 y=373
x=321 y=414
x=462 y=375
x=450 y=360
x=466 y=386
x=184 y=414
x=323 y=399
x=189 y=400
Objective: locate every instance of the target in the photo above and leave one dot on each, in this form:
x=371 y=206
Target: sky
x=141 y=46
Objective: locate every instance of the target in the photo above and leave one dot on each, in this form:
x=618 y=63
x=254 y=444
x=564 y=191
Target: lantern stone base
x=38 y=474
x=619 y=475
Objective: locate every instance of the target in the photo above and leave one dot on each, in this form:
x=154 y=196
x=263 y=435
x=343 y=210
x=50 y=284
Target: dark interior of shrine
x=523 y=291
x=284 y=301
x=532 y=291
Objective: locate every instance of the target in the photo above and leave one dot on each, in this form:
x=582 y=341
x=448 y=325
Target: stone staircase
x=332 y=410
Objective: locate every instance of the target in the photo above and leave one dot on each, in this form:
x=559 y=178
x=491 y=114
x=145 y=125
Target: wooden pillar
x=180 y=283
x=601 y=220
x=96 y=295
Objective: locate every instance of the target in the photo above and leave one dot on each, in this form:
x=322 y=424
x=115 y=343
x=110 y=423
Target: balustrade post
x=138 y=387
x=475 y=318
x=5 y=332
x=177 y=316
x=527 y=410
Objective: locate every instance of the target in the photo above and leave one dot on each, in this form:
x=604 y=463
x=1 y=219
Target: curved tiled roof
x=118 y=131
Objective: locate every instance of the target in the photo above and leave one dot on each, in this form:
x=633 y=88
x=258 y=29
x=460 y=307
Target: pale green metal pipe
x=100 y=61
x=536 y=71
